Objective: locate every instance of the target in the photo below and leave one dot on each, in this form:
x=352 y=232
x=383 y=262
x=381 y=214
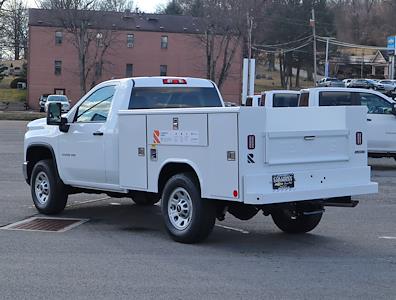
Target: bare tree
x=81 y=23
x=15 y=28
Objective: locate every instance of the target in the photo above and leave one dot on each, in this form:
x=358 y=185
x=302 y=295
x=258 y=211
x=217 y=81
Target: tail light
x=174 y=81
x=251 y=142
x=359 y=138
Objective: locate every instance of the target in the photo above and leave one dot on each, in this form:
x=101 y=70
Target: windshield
x=58 y=98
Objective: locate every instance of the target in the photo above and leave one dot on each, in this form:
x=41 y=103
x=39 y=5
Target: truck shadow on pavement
x=126 y=219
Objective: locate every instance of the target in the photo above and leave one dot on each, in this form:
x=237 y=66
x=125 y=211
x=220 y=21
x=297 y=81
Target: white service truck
x=172 y=139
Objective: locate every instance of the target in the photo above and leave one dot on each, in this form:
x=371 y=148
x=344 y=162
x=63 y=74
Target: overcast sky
x=148 y=6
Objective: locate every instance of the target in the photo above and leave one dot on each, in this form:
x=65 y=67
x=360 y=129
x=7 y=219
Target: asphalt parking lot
x=123 y=250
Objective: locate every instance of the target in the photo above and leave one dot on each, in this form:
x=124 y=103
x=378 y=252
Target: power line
x=283 y=44
x=284 y=50
x=350 y=45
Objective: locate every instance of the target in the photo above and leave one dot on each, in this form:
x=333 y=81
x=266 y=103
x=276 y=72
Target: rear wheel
x=48 y=191
x=289 y=222
x=188 y=217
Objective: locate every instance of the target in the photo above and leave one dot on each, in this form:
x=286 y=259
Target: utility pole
x=362 y=65
x=327 y=58
x=250 y=29
x=312 y=23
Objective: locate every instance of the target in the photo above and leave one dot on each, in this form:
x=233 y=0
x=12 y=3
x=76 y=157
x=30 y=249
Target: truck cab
x=274 y=98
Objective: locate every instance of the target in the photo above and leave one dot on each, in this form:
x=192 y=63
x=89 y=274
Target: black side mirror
x=54 y=116
x=54 y=113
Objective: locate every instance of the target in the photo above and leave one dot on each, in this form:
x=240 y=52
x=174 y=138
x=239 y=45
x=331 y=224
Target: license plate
x=282 y=181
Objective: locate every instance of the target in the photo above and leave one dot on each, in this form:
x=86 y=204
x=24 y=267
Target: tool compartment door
x=133 y=152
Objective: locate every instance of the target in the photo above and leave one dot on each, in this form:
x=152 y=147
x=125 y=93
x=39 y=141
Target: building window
x=58 y=37
x=98 y=69
x=59 y=91
x=163 y=70
x=129 y=70
x=130 y=40
x=58 y=67
x=99 y=40
x=164 y=42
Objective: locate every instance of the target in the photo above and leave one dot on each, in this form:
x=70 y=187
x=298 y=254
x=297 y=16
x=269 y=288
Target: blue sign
x=391 y=44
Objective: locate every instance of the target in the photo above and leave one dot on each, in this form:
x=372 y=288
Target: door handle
x=309 y=137
x=369 y=120
x=98 y=133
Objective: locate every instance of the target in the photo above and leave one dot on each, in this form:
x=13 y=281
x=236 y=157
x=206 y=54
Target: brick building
x=141 y=45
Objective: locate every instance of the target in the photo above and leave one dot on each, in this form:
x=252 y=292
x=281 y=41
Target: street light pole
x=327 y=58
x=312 y=21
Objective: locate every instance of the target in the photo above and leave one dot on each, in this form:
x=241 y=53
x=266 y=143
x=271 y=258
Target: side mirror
x=54 y=116
x=54 y=113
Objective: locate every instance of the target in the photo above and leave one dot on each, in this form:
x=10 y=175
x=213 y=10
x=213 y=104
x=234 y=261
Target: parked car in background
x=330 y=82
x=58 y=98
x=362 y=83
x=347 y=82
x=386 y=86
x=381 y=114
x=42 y=100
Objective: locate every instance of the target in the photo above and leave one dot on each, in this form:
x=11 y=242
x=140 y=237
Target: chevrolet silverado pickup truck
x=172 y=139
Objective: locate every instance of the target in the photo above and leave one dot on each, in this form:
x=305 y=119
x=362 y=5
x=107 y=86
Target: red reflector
x=235 y=193
x=359 y=138
x=251 y=142
x=174 y=81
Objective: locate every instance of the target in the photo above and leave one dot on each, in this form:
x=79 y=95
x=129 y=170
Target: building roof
x=117 y=20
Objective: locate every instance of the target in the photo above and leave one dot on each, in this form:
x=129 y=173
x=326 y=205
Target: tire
x=300 y=224
x=145 y=199
x=48 y=191
x=188 y=218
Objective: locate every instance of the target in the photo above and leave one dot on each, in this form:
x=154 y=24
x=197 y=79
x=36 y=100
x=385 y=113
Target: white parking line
x=88 y=201
x=234 y=229
x=387 y=237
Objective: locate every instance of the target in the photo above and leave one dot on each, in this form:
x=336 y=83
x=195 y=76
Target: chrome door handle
x=98 y=133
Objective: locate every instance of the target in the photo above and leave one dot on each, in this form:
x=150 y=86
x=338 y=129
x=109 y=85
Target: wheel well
x=36 y=153
x=171 y=169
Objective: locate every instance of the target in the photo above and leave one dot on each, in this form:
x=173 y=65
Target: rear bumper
x=309 y=185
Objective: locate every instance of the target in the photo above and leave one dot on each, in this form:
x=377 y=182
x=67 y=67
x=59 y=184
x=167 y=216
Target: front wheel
x=188 y=218
x=48 y=191
x=289 y=223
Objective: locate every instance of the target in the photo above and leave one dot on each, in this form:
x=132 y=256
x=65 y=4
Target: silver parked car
x=386 y=86
x=330 y=82
x=58 y=98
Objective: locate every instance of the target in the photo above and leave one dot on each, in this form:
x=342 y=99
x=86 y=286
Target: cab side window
x=375 y=104
x=338 y=98
x=96 y=107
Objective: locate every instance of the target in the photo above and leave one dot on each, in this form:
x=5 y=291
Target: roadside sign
x=391 y=45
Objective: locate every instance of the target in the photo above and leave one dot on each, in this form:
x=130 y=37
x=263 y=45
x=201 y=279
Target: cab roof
x=171 y=81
